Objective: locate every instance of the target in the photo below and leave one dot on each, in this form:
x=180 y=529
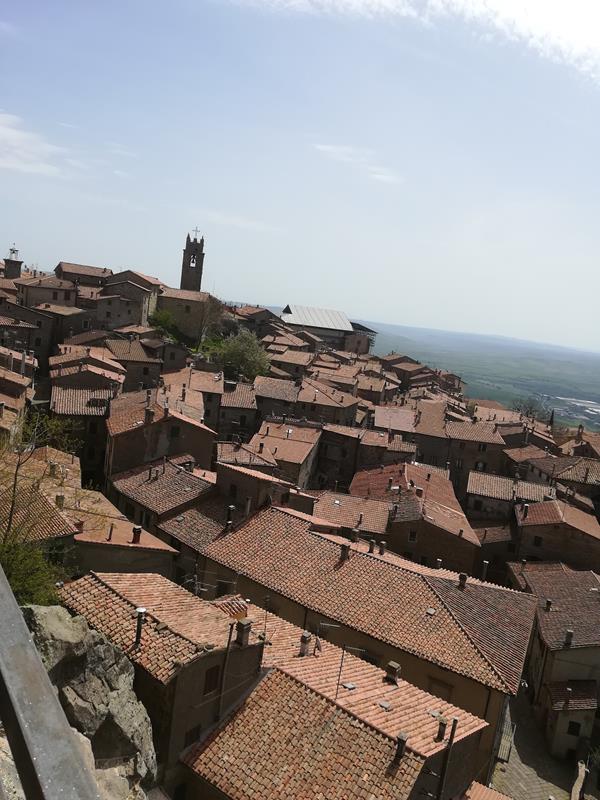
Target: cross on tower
x=196 y=231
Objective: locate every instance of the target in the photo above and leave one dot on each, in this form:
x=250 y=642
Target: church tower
x=192 y=264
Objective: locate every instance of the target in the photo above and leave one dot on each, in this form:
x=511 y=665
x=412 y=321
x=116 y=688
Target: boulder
x=94 y=681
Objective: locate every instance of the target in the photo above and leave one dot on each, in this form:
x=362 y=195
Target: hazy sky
x=421 y=163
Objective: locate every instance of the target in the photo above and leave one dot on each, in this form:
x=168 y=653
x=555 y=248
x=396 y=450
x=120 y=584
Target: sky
x=419 y=162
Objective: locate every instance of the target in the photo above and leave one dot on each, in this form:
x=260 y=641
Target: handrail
x=46 y=753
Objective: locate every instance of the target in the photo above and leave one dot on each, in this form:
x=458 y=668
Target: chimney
x=166 y=408
x=79 y=526
x=568 y=637
x=345 y=552
x=548 y=604
x=371 y=545
x=569 y=695
x=242 y=632
x=141 y=616
x=149 y=473
x=382 y=545
x=419 y=491
x=438 y=563
x=60 y=501
x=148 y=416
x=360 y=518
x=462 y=580
x=260 y=447
x=110 y=532
x=305 y=643
x=354 y=535
x=248 y=506
x=392 y=672
x=148 y=396
x=400 y=747
x=390 y=483
x=136 y=534
x=230 y=510
x=461 y=533
x=484 y=570
x=441 y=731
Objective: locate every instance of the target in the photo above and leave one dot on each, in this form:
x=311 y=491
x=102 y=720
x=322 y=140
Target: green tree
x=28 y=565
x=242 y=355
x=164 y=322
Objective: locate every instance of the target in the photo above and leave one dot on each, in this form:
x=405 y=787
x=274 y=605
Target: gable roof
x=481 y=632
x=276 y=389
x=312 y=317
x=83 y=269
x=499 y=487
x=555 y=512
x=129 y=350
x=368 y=516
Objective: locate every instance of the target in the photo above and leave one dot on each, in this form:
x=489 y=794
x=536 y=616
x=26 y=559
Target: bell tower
x=193 y=262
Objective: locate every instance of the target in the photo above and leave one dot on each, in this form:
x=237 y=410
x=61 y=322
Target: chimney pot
x=462 y=580
x=305 y=643
x=484 y=570
x=110 y=532
x=438 y=563
x=548 y=604
x=140 y=619
x=260 y=447
x=525 y=510
x=382 y=546
x=148 y=415
x=569 y=637
x=392 y=672
x=442 y=726
x=136 y=534
x=371 y=545
x=230 y=510
x=419 y=491
x=242 y=632
x=400 y=746
x=345 y=552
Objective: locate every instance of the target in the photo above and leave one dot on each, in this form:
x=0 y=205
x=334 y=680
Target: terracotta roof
x=477 y=791
x=84 y=269
x=86 y=336
x=98 y=530
x=316 y=393
x=243 y=396
x=129 y=350
x=184 y=294
x=499 y=487
x=108 y=601
x=71 y=400
x=197 y=527
x=47 y=282
x=388 y=482
x=197 y=380
x=474 y=432
x=160 y=487
x=575 y=597
x=520 y=454
x=287 y=736
x=82 y=368
x=11 y=322
x=361 y=687
x=555 y=512
x=35 y=518
x=296 y=357
x=290 y=451
x=292 y=430
x=368 y=516
x=61 y=311
x=576 y=469
x=130 y=417
x=481 y=632
x=252 y=473
x=250 y=311
x=244 y=454
x=276 y=389
x=573 y=695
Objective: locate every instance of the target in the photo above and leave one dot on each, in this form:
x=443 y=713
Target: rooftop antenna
x=319 y=626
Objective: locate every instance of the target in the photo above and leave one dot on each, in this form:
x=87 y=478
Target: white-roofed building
x=333 y=327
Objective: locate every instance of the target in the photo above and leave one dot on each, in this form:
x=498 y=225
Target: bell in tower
x=193 y=263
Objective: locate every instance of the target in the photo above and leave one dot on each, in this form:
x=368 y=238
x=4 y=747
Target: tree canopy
x=242 y=355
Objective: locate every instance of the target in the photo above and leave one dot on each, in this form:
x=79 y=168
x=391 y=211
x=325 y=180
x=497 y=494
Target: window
x=37 y=342
x=440 y=689
x=175 y=431
x=459 y=463
x=38 y=322
x=86 y=324
x=480 y=466
x=67 y=295
x=537 y=541
x=55 y=295
x=192 y=735
x=171 y=356
x=412 y=536
x=108 y=315
x=187 y=309
x=211 y=679
x=461 y=445
x=110 y=302
x=144 y=370
x=129 y=311
x=482 y=447
x=574 y=728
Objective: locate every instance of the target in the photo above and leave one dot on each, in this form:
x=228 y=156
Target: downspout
x=224 y=671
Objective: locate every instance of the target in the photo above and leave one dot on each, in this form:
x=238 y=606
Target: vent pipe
x=462 y=580
x=136 y=534
x=140 y=619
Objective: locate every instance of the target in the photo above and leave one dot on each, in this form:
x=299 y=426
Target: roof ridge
x=468 y=636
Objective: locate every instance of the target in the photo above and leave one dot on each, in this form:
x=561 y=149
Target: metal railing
x=46 y=753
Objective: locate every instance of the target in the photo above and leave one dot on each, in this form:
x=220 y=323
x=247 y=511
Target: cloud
x=568 y=32
x=236 y=221
x=361 y=158
x=25 y=151
x=117 y=149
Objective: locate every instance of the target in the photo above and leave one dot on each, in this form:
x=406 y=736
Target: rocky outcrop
x=94 y=681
